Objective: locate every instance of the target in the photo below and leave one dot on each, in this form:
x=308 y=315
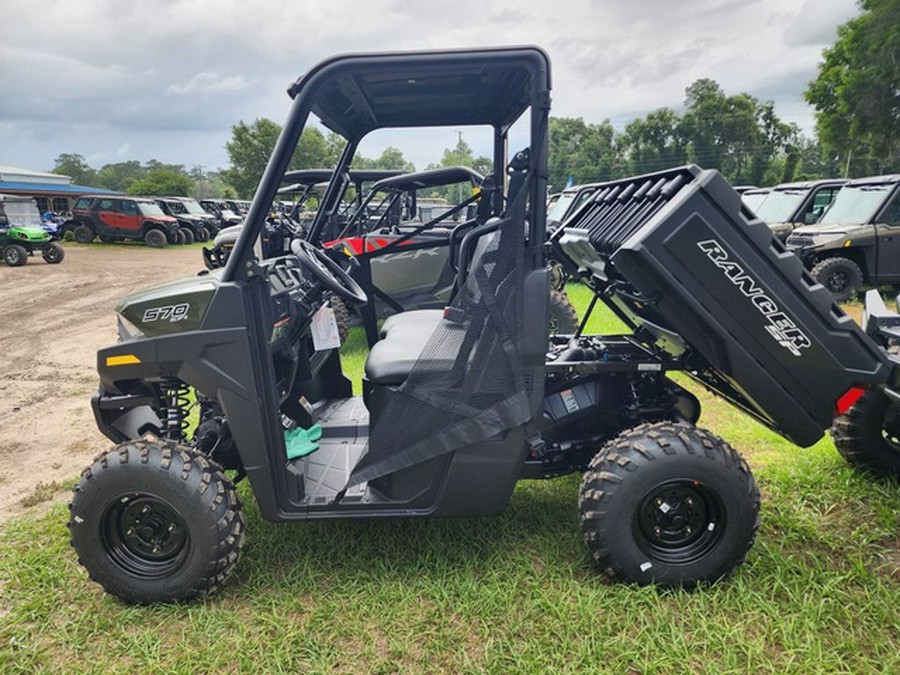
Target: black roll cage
x=356 y=94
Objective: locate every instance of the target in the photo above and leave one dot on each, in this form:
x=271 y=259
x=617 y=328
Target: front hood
x=167 y=221
x=172 y=307
x=781 y=229
x=228 y=235
x=816 y=237
x=836 y=230
x=27 y=233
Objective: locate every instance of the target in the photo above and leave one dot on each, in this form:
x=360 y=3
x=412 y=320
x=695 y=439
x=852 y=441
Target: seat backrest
x=471 y=251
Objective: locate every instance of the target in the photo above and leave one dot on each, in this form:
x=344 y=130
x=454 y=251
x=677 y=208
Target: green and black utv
x=460 y=403
x=21 y=233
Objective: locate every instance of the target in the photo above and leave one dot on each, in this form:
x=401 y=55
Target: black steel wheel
x=15 y=255
x=145 y=535
x=680 y=521
x=155 y=238
x=156 y=522
x=841 y=276
x=202 y=234
x=83 y=234
x=669 y=504
x=868 y=434
x=53 y=254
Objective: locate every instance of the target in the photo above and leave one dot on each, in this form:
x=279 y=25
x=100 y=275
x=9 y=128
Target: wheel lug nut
x=657 y=531
x=146 y=509
x=129 y=531
x=156 y=549
x=658 y=501
x=688 y=530
x=171 y=528
x=689 y=501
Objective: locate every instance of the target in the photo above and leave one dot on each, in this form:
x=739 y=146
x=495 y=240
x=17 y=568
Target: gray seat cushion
x=414 y=319
x=404 y=337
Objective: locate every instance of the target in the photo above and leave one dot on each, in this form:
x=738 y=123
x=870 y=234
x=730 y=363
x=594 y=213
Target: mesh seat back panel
x=467 y=385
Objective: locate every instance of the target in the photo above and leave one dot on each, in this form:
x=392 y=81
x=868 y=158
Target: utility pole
x=459 y=197
x=202 y=182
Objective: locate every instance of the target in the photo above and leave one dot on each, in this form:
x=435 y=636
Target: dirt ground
x=53 y=318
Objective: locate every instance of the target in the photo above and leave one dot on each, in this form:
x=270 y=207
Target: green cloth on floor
x=301 y=442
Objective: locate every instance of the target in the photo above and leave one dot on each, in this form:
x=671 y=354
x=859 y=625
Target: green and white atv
x=18 y=242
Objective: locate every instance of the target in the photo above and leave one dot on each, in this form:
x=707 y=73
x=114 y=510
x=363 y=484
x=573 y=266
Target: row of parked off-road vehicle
x=844 y=231
x=155 y=220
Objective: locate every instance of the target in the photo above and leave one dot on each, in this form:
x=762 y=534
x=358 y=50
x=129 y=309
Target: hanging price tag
x=324 y=328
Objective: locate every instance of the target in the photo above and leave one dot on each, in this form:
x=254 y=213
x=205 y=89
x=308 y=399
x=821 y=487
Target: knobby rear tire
x=668 y=504
x=868 y=434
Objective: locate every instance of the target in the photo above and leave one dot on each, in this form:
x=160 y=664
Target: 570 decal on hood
x=171 y=313
x=779 y=325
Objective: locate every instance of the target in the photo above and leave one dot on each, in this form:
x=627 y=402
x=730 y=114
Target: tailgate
x=680 y=257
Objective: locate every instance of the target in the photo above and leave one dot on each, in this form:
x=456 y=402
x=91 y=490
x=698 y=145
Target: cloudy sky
x=167 y=79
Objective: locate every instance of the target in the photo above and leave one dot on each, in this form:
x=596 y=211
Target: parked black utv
x=857 y=240
x=462 y=402
x=195 y=223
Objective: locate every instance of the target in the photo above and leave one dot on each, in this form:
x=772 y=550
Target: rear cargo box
x=681 y=257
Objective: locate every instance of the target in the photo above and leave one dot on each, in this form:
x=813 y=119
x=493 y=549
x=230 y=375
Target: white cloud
x=171 y=77
x=210 y=83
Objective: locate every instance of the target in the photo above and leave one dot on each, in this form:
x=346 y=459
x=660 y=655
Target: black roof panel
x=355 y=94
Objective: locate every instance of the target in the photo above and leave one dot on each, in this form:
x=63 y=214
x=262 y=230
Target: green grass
x=820 y=591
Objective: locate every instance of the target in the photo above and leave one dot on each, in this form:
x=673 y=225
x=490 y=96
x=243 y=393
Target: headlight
x=127 y=330
x=824 y=238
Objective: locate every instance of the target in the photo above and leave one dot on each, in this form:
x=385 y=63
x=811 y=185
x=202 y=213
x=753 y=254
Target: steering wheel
x=328 y=272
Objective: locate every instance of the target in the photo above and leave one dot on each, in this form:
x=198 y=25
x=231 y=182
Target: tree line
x=738 y=135
x=150 y=178
x=856 y=95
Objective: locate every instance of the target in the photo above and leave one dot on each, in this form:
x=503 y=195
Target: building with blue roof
x=51 y=191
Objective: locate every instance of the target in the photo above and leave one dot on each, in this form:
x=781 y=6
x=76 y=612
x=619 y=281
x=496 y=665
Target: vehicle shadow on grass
x=538 y=529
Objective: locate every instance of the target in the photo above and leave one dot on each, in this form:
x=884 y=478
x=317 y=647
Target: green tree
x=120 y=175
x=251 y=146
x=857 y=91
x=75 y=166
x=156 y=165
x=459 y=155
x=163 y=182
x=463 y=155
x=737 y=135
x=249 y=150
x=655 y=142
x=312 y=151
x=581 y=151
x=390 y=158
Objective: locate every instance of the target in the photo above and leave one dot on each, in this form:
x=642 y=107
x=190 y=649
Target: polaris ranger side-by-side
x=459 y=404
x=857 y=239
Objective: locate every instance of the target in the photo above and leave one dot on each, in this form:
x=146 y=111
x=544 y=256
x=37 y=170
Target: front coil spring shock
x=175 y=403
